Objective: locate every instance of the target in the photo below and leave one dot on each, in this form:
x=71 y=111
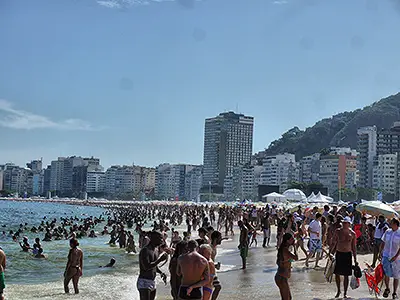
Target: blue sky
x=132 y=81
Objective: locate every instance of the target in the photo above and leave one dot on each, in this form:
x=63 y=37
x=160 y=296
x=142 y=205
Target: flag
x=379 y=196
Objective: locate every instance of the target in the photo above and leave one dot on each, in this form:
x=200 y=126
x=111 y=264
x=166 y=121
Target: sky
x=132 y=81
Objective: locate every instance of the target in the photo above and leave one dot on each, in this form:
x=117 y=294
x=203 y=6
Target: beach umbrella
x=376 y=208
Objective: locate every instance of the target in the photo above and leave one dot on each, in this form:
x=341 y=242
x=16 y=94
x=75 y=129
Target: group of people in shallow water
x=331 y=232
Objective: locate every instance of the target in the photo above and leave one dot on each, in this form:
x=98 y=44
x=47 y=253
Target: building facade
x=309 y=168
x=338 y=169
x=385 y=173
x=367 y=151
x=228 y=142
x=194 y=180
x=280 y=170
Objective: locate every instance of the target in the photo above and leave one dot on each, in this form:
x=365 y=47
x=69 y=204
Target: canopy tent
x=376 y=208
x=274 y=197
x=311 y=197
x=319 y=198
x=295 y=195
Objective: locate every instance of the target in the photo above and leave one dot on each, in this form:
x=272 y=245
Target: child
x=254 y=238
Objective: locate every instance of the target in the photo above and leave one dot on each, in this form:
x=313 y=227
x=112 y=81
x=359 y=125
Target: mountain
x=337 y=131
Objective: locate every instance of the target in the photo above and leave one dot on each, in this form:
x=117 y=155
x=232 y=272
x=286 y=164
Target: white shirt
x=392 y=243
x=379 y=232
x=315 y=226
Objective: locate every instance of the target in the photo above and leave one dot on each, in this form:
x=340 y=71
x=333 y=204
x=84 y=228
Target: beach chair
x=374 y=279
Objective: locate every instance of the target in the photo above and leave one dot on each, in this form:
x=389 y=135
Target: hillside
x=339 y=130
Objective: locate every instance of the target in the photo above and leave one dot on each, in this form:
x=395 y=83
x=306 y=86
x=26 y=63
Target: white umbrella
x=376 y=208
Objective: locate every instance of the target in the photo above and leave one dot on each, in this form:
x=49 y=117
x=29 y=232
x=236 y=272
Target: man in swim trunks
x=2 y=270
x=195 y=273
x=344 y=245
x=243 y=243
x=206 y=251
x=315 y=232
x=148 y=264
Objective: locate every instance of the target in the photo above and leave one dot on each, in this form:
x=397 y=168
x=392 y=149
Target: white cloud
x=19 y=119
x=117 y=4
x=109 y=4
x=280 y=2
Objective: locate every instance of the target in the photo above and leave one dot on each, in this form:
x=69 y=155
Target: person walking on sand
x=74 y=267
x=315 y=232
x=344 y=248
x=2 y=270
x=284 y=261
x=390 y=252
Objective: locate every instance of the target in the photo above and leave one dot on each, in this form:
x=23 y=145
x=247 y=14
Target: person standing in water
x=148 y=264
x=243 y=243
x=194 y=270
x=284 y=261
x=74 y=267
x=2 y=270
x=206 y=251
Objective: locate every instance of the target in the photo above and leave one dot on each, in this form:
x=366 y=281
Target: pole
x=340 y=190
x=209 y=191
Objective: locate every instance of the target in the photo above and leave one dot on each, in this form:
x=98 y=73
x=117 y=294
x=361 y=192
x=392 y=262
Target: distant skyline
x=133 y=80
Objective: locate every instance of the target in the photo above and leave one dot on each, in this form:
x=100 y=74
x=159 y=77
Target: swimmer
x=110 y=264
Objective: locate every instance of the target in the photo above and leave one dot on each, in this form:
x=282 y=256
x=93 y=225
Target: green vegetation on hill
x=337 y=131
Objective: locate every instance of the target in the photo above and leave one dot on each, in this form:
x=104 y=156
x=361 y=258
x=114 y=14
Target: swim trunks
x=195 y=294
x=343 y=264
x=315 y=245
x=244 y=251
x=146 y=284
x=2 y=283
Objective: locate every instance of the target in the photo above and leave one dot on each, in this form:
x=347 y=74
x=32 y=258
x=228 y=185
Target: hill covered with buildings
x=338 y=131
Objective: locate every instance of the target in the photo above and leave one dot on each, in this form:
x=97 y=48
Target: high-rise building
x=280 y=170
x=15 y=179
x=338 y=169
x=385 y=173
x=367 y=150
x=46 y=181
x=171 y=181
x=309 y=168
x=194 y=181
x=95 y=181
x=241 y=185
x=228 y=142
x=388 y=140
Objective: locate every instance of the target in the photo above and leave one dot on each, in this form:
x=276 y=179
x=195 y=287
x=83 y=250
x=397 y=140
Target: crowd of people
x=331 y=232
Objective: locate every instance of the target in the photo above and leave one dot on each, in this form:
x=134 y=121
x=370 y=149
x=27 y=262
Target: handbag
x=355 y=282
x=357 y=271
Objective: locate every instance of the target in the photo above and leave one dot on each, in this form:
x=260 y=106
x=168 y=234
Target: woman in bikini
x=299 y=235
x=284 y=262
x=206 y=251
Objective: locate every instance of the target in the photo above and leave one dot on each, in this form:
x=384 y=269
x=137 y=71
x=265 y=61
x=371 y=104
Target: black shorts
x=196 y=293
x=343 y=264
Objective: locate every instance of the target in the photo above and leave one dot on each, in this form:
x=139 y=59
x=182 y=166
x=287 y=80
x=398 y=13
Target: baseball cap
x=347 y=220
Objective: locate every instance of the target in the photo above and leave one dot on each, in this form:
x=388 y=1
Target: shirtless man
x=74 y=267
x=266 y=227
x=149 y=260
x=206 y=251
x=216 y=239
x=243 y=243
x=344 y=245
x=2 y=270
x=195 y=273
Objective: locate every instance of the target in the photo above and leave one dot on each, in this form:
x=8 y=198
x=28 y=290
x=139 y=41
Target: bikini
x=207 y=289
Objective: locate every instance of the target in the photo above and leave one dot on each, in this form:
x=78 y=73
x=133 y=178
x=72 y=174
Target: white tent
x=295 y=195
x=319 y=198
x=274 y=197
x=311 y=197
